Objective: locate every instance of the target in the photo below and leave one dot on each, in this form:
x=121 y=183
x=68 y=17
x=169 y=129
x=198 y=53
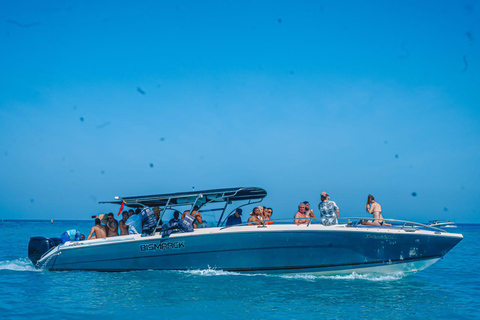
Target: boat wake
x=352 y=276
x=216 y=272
x=307 y=277
x=21 y=264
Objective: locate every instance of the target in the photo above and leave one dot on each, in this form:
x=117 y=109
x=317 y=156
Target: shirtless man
x=98 y=229
x=198 y=218
x=122 y=225
x=112 y=226
x=255 y=217
x=309 y=212
x=300 y=217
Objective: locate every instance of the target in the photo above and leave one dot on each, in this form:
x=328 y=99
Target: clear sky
x=106 y=98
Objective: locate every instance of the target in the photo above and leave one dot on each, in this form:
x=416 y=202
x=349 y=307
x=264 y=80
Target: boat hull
x=276 y=249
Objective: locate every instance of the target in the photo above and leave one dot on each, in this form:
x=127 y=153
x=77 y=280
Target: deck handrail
x=357 y=223
x=396 y=221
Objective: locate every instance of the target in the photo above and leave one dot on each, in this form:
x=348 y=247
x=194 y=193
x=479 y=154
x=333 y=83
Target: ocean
x=450 y=289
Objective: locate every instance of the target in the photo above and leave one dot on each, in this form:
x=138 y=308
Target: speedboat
x=442 y=224
x=281 y=247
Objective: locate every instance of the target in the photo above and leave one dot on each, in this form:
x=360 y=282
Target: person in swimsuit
x=374 y=208
x=98 y=229
x=255 y=217
x=112 y=226
x=268 y=215
x=122 y=225
x=309 y=212
x=300 y=216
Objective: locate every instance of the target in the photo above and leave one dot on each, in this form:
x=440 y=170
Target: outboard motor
x=38 y=246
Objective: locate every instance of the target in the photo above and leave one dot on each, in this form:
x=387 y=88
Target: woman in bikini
x=374 y=208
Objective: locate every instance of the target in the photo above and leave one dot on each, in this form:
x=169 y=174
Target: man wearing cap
x=329 y=211
x=235 y=218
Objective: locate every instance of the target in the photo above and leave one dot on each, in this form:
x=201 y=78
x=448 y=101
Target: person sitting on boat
x=149 y=222
x=156 y=211
x=186 y=224
x=134 y=224
x=300 y=216
x=176 y=217
x=309 y=212
x=112 y=226
x=329 y=211
x=173 y=225
x=235 y=218
x=374 y=208
x=98 y=229
x=185 y=213
x=122 y=225
x=72 y=235
x=199 y=223
x=255 y=217
x=267 y=215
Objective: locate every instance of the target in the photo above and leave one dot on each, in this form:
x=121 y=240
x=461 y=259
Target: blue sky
x=295 y=97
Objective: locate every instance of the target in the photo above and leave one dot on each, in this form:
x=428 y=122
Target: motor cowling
x=38 y=246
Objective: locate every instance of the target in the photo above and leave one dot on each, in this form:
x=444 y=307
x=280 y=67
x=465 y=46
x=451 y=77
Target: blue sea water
x=448 y=289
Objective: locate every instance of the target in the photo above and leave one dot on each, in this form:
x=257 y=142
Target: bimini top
x=189 y=198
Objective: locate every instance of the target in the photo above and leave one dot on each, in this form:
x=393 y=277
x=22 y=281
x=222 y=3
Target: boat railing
x=403 y=224
x=349 y=222
x=262 y=223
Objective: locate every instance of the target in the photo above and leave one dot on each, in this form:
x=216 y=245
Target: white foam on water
x=209 y=272
x=368 y=277
x=21 y=264
x=308 y=277
x=216 y=272
x=352 y=276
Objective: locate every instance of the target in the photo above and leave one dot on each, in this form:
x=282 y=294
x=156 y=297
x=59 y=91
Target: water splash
x=21 y=264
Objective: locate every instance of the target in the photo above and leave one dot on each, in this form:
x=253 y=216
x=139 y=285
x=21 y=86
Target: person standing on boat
x=329 y=211
x=112 y=226
x=235 y=218
x=122 y=225
x=134 y=224
x=300 y=216
x=99 y=230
